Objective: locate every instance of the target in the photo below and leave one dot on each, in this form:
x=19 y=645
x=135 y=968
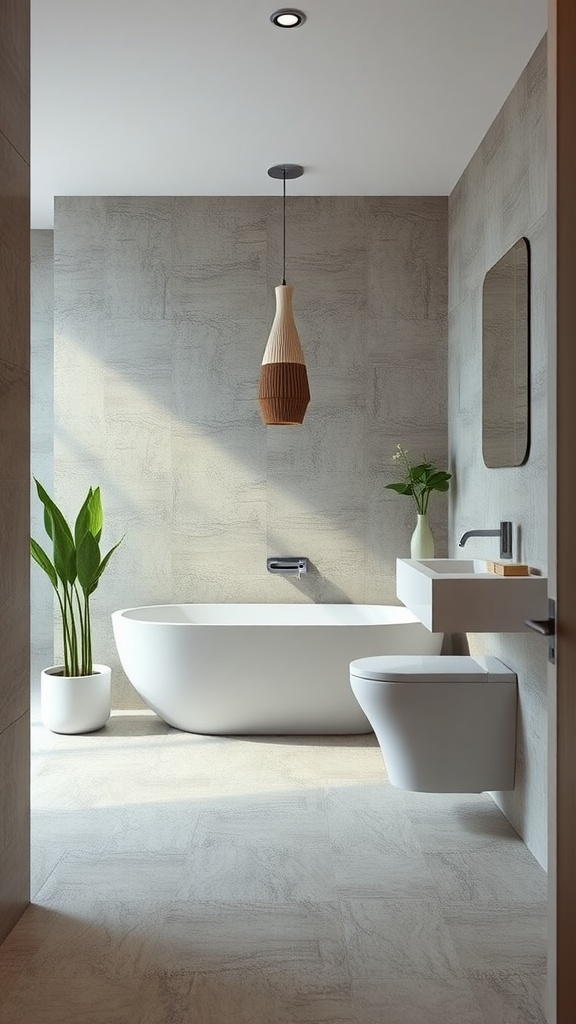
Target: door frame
x=561 y=321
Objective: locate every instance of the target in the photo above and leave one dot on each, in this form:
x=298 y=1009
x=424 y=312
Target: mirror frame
x=505 y=323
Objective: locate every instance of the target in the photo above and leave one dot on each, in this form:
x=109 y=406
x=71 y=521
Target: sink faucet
x=505 y=534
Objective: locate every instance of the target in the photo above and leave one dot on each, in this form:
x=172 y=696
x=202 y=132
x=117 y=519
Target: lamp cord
x=284 y=232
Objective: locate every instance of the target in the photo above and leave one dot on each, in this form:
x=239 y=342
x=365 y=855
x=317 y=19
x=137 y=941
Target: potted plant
x=418 y=483
x=75 y=696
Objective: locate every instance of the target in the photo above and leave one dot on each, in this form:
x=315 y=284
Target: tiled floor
x=271 y=880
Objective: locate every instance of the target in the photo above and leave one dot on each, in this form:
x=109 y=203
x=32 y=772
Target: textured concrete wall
x=162 y=309
x=41 y=446
x=14 y=462
x=500 y=197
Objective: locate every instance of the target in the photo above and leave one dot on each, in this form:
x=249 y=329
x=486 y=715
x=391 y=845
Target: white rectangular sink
x=455 y=566
x=459 y=595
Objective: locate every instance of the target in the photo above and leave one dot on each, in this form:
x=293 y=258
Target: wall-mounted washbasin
x=454 y=566
x=459 y=595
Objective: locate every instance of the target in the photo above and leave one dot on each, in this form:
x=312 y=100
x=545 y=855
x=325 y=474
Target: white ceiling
x=178 y=97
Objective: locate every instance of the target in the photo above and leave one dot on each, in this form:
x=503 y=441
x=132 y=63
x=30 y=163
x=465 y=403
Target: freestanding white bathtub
x=281 y=669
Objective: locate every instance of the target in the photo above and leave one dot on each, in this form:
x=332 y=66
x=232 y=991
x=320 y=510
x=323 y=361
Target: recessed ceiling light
x=288 y=17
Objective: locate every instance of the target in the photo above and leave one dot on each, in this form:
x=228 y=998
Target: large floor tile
x=417 y=1000
x=43 y=861
x=253 y=870
x=459 y=822
x=264 y=880
x=381 y=875
x=502 y=938
x=399 y=938
x=108 y=937
x=95 y=999
x=129 y=876
x=507 y=873
x=280 y=815
x=375 y=812
x=238 y=999
x=295 y=946
x=511 y=998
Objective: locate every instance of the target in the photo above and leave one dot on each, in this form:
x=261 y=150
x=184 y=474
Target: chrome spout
x=505 y=534
x=477 y=533
x=289 y=566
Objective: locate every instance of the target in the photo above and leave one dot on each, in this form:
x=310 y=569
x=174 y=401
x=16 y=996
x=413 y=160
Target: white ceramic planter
x=74 y=704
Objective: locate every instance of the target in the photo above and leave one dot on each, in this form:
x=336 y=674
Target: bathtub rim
x=402 y=616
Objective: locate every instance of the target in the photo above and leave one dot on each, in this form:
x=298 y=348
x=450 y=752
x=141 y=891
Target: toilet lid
x=417 y=668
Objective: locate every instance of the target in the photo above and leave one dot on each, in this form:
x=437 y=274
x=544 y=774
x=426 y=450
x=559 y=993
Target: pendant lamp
x=283 y=392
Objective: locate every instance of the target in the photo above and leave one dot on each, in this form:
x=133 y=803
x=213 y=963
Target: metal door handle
x=546 y=627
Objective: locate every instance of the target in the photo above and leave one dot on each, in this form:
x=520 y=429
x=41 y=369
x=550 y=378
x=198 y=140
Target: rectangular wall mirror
x=505 y=359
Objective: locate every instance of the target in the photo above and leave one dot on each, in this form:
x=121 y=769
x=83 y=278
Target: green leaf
x=90 y=517
x=82 y=524
x=416 y=472
x=400 y=488
x=87 y=561
x=64 y=553
x=48 y=523
x=52 y=513
x=40 y=556
x=96 y=514
x=442 y=486
x=438 y=477
x=103 y=565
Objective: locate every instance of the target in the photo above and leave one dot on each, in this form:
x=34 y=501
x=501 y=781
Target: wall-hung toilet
x=444 y=724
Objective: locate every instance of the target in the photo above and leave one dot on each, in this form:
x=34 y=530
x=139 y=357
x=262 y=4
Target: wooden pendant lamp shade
x=283 y=392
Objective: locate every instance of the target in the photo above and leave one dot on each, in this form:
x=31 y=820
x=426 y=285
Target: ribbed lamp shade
x=283 y=392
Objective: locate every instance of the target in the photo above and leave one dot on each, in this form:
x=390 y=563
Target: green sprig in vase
x=418 y=483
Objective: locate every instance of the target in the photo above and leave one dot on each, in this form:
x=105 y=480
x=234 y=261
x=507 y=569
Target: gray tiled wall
x=162 y=311
x=42 y=445
x=500 y=197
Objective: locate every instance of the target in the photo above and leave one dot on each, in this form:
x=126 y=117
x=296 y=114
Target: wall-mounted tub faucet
x=289 y=566
x=505 y=534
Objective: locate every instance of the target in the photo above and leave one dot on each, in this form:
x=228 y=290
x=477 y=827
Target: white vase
x=75 y=704
x=422 y=540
